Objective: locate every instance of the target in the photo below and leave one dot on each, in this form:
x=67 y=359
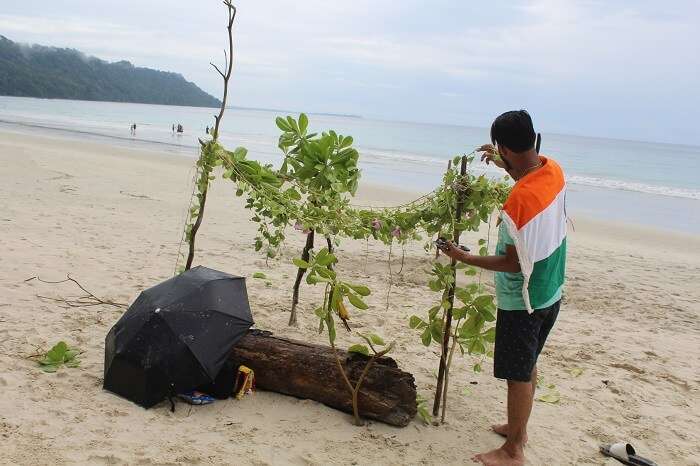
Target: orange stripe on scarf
x=534 y=192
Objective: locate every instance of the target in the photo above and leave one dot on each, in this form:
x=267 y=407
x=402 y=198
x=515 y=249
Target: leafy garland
x=311 y=192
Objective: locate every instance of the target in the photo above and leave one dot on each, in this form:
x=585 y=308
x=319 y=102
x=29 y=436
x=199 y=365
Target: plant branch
x=89 y=299
x=215 y=134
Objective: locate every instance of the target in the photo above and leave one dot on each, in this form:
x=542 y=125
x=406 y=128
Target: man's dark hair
x=514 y=130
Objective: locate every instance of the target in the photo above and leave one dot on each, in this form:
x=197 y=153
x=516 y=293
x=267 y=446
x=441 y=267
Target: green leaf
x=282 y=124
x=416 y=322
x=459 y=313
x=576 y=371
x=376 y=339
x=259 y=275
x=49 y=368
x=58 y=352
x=477 y=367
x=325 y=259
x=302 y=264
x=357 y=302
x=432 y=312
x=435 y=285
x=470 y=271
x=490 y=335
x=483 y=301
x=476 y=347
x=362 y=349
x=325 y=273
x=436 y=330
x=320 y=313
x=293 y=194
x=360 y=289
x=331 y=327
x=551 y=397
x=303 y=123
x=487 y=314
x=426 y=336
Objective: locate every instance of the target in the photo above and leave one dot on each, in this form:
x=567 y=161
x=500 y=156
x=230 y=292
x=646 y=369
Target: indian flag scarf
x=535 y=217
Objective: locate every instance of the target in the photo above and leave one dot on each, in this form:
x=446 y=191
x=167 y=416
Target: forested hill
x=49 y=72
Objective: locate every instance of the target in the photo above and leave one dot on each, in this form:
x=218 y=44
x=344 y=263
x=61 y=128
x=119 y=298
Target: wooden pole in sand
x=228 y=65
x=450 y=296
x=437 y=250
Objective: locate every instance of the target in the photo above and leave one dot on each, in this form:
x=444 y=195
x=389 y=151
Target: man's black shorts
x=520 y=338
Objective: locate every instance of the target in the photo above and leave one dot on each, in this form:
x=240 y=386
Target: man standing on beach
x=529 y=264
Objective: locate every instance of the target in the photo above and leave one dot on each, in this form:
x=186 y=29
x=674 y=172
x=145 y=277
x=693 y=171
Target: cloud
x=585 y=64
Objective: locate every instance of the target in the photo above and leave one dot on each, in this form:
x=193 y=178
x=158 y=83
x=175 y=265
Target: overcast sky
x=617 y=68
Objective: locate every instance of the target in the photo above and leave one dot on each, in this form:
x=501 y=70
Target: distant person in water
x=529 y=264
x=207 y=130
x=173 y=128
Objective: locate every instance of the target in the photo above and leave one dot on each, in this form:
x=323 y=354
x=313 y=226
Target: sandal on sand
x=624 y=453
x=196 y=398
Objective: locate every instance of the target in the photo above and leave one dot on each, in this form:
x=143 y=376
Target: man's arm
x=507 y=263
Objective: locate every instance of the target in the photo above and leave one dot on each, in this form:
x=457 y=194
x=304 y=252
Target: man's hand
x=505 y=263
x=490 y=154
x=452 y=251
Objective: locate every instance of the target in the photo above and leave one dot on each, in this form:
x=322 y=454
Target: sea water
x=644 y=183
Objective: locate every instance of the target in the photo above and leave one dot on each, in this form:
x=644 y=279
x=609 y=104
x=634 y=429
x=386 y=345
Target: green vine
x=312 y=193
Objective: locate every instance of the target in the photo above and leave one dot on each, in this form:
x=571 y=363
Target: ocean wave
x=381 y=155
x=634 y=186
x=382 y=159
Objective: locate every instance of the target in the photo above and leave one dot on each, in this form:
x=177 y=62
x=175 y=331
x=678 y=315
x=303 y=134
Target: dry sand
x=112 y=218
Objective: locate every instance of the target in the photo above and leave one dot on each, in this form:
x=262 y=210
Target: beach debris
x=310 y=371
x=88 y=299
x=551 y=397
x=625 y=454
x=61 y=354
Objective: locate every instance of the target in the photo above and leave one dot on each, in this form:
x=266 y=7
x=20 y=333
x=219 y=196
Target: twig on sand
x=88 y=299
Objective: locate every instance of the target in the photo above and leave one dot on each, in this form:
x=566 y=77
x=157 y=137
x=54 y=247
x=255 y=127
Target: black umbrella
x=176 y=336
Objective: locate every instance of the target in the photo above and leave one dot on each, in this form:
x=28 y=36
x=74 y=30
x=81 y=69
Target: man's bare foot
x=502 y=430
x=500 y=457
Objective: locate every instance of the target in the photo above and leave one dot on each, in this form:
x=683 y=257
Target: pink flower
x=376 y=224
x=396 y=232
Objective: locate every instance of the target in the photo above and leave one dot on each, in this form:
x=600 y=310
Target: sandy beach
x=624 y=356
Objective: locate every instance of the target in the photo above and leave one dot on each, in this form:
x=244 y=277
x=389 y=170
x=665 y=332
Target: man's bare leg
x=520 y=399
x=502 y=429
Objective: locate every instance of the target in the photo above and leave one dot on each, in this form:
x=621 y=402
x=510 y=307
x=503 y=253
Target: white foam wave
x=633 y=186
x=377 y=156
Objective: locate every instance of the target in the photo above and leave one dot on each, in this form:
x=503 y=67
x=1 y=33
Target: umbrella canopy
x=176 y=336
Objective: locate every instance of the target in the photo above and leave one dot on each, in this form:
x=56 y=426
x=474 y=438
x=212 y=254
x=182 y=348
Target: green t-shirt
x=509 y=286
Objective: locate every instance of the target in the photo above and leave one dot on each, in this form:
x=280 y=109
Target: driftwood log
x=309 y=371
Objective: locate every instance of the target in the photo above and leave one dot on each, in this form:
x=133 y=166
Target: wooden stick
x=450 y=298
x=305 y=254
x=215 y=133
x=437 y=250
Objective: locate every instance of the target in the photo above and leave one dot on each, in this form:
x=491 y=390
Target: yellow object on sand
x=245 y=381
